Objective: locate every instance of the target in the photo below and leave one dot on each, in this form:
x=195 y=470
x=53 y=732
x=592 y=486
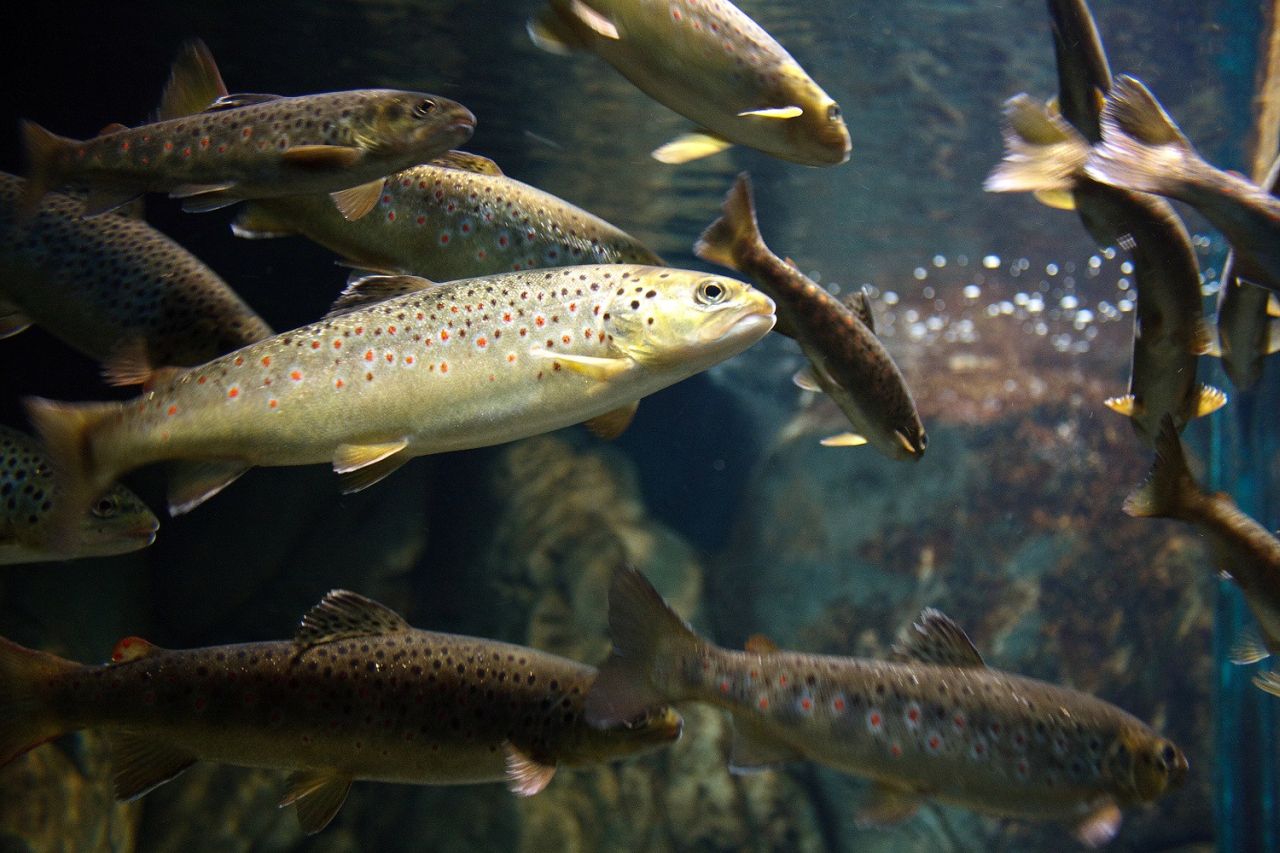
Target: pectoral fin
x=887 y=806
x=106 y=199
x=612 y=424
x=1099 y=826
x=754 y=750
x=12 y=320
x=193 y=483
x=1248 y=649
x=596 y=22
x=1126 y=405
x=805 y=380
x=362 y=465
x=317 y=795
x=143 y=763
x=322 y=158
x=1057 y=199
x=355 y=202
x=844 y=439
x=595 y=367
x=760 y=644
x=1209 y=400
x=773 y=112
x=690 y=146
x=525 y=776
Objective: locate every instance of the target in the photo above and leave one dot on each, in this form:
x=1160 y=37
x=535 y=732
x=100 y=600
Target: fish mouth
x=669 y=727
x=757 y=319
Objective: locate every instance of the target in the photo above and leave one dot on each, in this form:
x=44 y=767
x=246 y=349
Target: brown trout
x=212 y=149
x=117 y=523
x=467 y=364
x=711 y=63
x=846 y=359
x=1242 y=548
x=357 y=694
x=940 y=725
x=1143 y=150
x=455 y=217
x=1046 y=155
x=113 y=288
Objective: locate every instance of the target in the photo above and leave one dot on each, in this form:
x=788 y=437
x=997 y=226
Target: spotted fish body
x=117 y=523
x=467 y=364
x=846 y=359
x=708 y=61
x=940 y=726
x=214 y=149
x=107 y=284
x=357 y=694
x=443 y=222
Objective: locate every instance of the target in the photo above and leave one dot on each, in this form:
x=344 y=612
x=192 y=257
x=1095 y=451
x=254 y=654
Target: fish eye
x=106 y=507
x=924 y=441
x=1168 y=755
x=710 y=292
x=833 y=112
x=423 y=108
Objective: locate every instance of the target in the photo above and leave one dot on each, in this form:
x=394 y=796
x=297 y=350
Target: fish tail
x=727 y=240
x=648 y=639
x=1042 y=152
x=71 y=433
x=26 y=720
x=1142 y=148
x=1170 y=489
x=45 y=152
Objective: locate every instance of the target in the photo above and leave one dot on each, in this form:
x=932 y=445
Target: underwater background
x=719 y=491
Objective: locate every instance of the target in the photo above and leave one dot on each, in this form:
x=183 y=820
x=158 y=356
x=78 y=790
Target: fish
x=402 y=367
x=712 y=64
x=212 y=149
x=1045 y=153
x=1145 y=151
x=936 y=724
x=356 y=694
x=1248 y=328
x=1084 y=75
x=1242 y=549
x=118 y=522
x=114 y=288
x=455 y=217
x=847 y=361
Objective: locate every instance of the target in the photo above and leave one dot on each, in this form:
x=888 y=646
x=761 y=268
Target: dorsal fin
x=370 y=289
x=860 y=304
x=465 y=161
x=194 y=83
x=132 y=648
x=114 y=127
x=935 y=638
x=342 y=613
x=759 y=644
x=240 y=99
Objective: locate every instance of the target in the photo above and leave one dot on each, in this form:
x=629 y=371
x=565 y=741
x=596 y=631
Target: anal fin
x=525 y=775
x=317 y=795
x=191 y=483
x=612 y=424
x=1248 y=649
x=362 y=465
x=142 y=764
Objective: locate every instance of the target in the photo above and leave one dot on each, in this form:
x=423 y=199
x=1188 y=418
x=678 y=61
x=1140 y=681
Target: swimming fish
x=846 y=359
x=1242 y=548
x=1046 y=153
x=1143 y=150
x=1247 y=331
x=212 y=149
x=117 y=522
x=431 y=369
x=113 y=288
x=711 y=63
x=455 y=217
x=356 y=694
x=938 y=724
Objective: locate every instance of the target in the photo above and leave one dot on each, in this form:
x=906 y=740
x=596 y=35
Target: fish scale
x=101 y=283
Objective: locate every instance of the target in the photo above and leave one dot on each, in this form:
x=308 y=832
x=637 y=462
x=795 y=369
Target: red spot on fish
x=273 y=403
x=506 y=317
x=565 y=339
x=390 y=358
x=724 y=686
x=295 y=375
x=359 y=330
x=444 y=238
x=146 y=161
x=806 y=703
x=173 y=410
x=782 y=679
x=420 y=315
x=266 y=361
x=386 y=199
x=874 y=719
x=539 y=321
x=368 y=356
x=503 y=241
x=391 y=330
x=482 y=343
x=422 y=220
x=204 y=143
x=958 y=721
x=444 y=334
x=168 y=146
x=186 y=152
x=444 y=367
x=233 y=392
x=764 y=702
x=913 y=714
x=523 y=331
x=408 y=359
x=391 y=216
x=895 y=749
x=222 y=149
x=511 y=359
x=246 y=133
x=492 y=377
x=200 y=380
x=337 y=383
x=935 y=743
x=124 y=146
x=675 y=15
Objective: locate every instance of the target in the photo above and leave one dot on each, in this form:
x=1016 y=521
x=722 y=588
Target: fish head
x=118 y=522
x=404 y=123
x=1143 y=766
x=668 y=318
x=818 y=136
x=911 y=440
x=653 y=728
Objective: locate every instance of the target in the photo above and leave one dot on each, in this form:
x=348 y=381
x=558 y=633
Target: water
x=1010 y=325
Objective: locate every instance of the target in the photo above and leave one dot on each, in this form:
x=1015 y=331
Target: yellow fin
x=1125 y=405
x=194 y=83
x=612 y=424
x=1209 y=400
x=691 y=146
x=141 y=763
x=773 y=112
x=1268 y=681
x=1057 y=199
x=887 y=805
x=595 y=367
x=317 y=796
x=355 y=202
x=526 y=776
x=1248 y=649
x=1099 y=826
x=759 y=644
x=362 y=465
x=322 y=157
x=342 y=614
x=844 y=439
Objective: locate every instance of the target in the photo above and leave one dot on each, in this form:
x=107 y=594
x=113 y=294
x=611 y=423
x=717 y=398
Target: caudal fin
x=1043 y=154
x=647 y=635
x=1170 y=486
x=735 y=231
x=69 y=432
x=25 y=719
x=1142 y=149
x=44 y=151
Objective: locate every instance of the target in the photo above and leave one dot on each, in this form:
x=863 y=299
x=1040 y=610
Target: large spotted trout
x=212 y=149
x=381 y=380
x=356 y=694
x=938 y=725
